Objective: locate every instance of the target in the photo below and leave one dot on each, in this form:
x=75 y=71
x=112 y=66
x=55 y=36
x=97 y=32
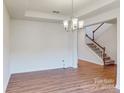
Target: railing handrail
x=97 y=28
x=103 y=48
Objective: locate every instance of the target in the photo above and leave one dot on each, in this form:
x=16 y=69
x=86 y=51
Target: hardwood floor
x=88 y=78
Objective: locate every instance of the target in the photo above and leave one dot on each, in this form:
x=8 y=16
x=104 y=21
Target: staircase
x=106 y=59
x=99 y=50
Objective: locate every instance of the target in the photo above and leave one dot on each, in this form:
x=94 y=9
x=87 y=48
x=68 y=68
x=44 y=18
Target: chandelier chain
x=72 y=8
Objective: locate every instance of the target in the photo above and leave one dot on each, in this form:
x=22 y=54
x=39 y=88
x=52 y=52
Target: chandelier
x=73 y=24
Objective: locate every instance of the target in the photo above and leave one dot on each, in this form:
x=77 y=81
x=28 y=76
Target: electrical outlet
x=63 y=63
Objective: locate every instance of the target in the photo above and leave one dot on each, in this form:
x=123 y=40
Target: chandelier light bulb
x=81 y=24
x=65 y=22
x=75 y=23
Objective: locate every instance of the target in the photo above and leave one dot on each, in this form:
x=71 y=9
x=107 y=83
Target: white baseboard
x=90 y=61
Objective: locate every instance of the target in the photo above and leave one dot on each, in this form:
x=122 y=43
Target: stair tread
x=106 y=57
x=109 y=64
x=109 y=61
x=91 y=44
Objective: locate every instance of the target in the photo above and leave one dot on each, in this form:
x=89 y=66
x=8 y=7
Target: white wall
x=84 y=52
x=6 y=46
x=39 y=46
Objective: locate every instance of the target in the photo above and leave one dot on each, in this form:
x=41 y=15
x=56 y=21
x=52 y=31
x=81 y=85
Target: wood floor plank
x=87 y=78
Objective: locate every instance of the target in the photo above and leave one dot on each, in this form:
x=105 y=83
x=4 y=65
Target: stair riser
x=104 y=55
x=109 y=64
x=93 y=46
x=96 y=49
x=107 y=59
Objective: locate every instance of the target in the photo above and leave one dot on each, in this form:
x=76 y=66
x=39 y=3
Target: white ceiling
x=42 y=9
x=64 y=6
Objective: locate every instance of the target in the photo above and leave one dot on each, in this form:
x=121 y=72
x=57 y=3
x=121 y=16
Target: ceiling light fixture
x=73 y=24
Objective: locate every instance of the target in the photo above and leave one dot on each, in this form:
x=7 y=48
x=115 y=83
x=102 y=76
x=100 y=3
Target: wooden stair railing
x=96 y=30
x=102 y=48
x=97 y=44
x=97 y=48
